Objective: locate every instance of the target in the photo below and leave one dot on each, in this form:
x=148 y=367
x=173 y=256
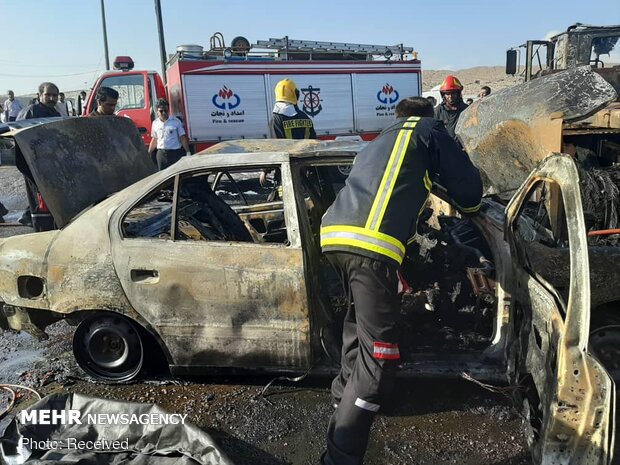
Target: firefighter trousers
x=369 y=357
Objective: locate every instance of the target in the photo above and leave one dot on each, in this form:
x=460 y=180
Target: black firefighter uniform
x=365 y=232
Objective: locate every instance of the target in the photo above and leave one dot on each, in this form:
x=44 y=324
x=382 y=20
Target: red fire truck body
x=226 y=94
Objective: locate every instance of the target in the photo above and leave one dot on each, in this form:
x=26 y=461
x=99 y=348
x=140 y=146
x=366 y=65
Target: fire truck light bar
x=123 y=63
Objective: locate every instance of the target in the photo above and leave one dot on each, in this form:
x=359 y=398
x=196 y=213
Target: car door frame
x=243 y=343
x=548 y=353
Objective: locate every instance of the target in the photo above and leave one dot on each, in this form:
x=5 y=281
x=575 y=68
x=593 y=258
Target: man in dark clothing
x=45 y=106
x=365 y=233
x=38 y=214
x=452 y=105
x=106 y=102
x=288 y=122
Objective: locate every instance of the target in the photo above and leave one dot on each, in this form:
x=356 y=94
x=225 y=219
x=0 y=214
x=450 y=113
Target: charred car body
x=200 y=264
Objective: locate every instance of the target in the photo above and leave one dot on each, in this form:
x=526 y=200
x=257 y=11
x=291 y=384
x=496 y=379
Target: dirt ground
x=431 y=422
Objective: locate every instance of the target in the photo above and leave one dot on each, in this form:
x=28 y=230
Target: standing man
x=61 y=105
x=38 y=214
x=288 y=121
x=106 y=102
x=12 y=107
x=365 y=232
x=452 y=103
x=168 y=136
x=45 y=106
x=81 y=103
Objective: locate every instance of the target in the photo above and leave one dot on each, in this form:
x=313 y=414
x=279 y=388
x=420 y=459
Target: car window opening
x=218 y=205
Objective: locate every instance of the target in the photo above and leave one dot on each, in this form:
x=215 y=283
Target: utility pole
x=162 y=45
x=105 y=38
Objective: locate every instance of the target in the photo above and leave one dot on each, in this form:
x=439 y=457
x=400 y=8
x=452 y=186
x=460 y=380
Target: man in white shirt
x=12 y=107
x=61 y=106
x=168 y=136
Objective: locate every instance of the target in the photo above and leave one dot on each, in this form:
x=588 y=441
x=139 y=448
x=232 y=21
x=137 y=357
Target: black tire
x=109 y=347
x=341 y=172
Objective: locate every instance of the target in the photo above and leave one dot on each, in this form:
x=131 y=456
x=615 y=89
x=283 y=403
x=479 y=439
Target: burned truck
x=201 y=268
x=592 y=137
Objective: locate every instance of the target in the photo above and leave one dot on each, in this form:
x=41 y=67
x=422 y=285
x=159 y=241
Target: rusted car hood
x=508 y=133
x=79 y=161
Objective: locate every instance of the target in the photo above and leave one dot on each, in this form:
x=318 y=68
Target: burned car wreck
x=202 y=268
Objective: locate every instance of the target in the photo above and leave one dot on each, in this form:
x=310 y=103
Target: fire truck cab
x=228 y=92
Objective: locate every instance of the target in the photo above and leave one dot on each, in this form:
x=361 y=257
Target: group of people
x=365 y=232
x=11 y=108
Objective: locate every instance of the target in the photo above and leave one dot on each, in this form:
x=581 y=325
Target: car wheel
x=109 y=347
x=341 y=172
x=605 y=344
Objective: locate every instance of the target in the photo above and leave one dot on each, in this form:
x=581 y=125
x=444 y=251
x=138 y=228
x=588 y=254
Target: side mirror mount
x=511 y=62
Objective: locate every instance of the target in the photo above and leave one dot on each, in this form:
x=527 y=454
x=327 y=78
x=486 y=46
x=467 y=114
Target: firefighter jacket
x=296 y=125
x=376 y=213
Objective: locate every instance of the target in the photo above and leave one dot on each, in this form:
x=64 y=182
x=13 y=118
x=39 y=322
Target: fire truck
x=227 y=92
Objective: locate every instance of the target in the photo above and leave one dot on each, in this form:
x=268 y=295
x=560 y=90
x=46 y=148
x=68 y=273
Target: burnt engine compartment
x=450 y=304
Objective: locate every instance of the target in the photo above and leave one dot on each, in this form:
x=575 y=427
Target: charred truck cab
x=227 y=92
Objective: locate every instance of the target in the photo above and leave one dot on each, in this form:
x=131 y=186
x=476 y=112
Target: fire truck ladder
x=286 y=45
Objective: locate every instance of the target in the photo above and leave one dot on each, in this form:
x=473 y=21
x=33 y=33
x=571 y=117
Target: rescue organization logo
x=75 y=417
x=387 y=94
x=226 y=99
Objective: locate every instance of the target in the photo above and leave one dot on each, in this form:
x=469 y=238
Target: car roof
x=281 y=150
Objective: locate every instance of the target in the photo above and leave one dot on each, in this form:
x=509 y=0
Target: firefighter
x=452 y=104
x=288 y=122
x=364 y=233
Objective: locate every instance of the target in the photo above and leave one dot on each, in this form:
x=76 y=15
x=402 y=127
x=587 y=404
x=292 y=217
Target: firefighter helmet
x=286 y=91
x=451 y=83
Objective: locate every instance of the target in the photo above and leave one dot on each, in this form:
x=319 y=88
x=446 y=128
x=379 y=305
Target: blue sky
x=61 y=40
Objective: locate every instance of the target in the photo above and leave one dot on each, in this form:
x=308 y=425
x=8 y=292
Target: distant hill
x=472 y=78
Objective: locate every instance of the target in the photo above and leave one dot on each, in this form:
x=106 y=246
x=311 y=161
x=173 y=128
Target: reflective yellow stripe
x=390 y=174
x=427 y=182
x=362 y=245
x=365 y=232
x=362 y=238
x=469 y=209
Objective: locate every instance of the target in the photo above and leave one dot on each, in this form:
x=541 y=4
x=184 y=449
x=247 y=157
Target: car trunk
x=77 y=162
